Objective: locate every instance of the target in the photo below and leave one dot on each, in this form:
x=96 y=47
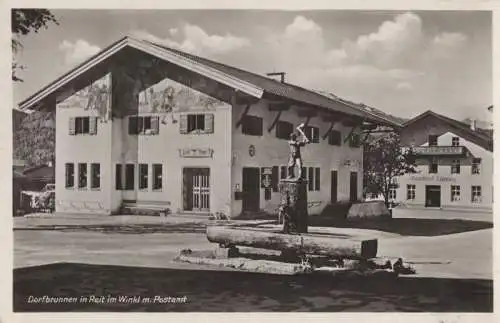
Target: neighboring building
x=142 y=124
x=17 y=118
x=37 y=177
x=455 y=164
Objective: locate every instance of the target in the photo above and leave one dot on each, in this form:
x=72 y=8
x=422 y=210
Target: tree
x=25 y=21
x=384 y=159
x=35 y=139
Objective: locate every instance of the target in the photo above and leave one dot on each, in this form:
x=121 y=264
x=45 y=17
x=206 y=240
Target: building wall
x=84 y=148
x=272 y=151
x=445 y=178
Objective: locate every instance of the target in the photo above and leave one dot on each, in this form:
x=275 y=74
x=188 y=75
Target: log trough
x=341 y=246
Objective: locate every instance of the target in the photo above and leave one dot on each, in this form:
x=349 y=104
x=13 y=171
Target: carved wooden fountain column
x=294 y=204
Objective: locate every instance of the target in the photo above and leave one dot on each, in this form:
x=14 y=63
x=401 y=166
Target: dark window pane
x=157 y=176
x=70 y=175
x=96 y=175
x=82 y=175
x=129 y=177
x=143 y=176
x=118 y=177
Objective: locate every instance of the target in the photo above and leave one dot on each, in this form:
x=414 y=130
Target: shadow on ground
x=408 y=226
x=218 y=291
x=126 y=228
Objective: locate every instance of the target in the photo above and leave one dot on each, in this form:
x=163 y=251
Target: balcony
x=439 y=150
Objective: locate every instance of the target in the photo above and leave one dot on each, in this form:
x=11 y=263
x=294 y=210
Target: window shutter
x=274 y=178
x=317 y=179
x=132 y=125
x=183 y=124
x=93 y=126
x=72 y=126
x=209 y=123
x=310 y=173
x=155 y=125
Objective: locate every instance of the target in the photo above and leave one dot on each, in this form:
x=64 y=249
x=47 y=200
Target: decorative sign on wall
x=251 y=150
x=433 y=178
x=196 y=152
x=266 y=177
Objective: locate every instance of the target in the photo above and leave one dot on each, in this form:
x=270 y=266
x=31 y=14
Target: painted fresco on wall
x=94 y=97
x=170 y=96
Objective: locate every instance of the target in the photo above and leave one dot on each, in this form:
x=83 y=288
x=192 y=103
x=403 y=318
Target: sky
x=402 y=63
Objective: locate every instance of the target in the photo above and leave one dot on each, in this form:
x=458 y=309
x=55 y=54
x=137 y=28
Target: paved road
x=454 y=271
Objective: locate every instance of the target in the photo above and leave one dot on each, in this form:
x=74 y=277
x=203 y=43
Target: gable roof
x=292 y=91
x=481 y=137
x=250 y=83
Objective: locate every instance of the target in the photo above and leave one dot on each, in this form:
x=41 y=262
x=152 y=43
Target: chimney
x=281 y=74
x=473 y=124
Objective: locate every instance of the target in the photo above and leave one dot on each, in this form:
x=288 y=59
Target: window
x=312 y=133
x=283 y=130
x=118 y=177
x=313 y=178
x=83 y=125
x=129 y=176
x=82 y=175
x=157 y=176
x=455 y=193
x=410 y=191
x=70 y=175
x=476 y=194
x=196 y=122
x=148 y=125
x=392 y=192
x=455 y=166
x=143 y=176
x=252 y=125
x=433 y=165
x=433 y=140
x=200 y=123
x=455 y=141
x=476 y=166
x=334 y=138
x=95 y=179
x=354 y=141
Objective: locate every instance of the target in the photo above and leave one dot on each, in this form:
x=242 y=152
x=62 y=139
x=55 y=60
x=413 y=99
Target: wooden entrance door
x=353 y=187
x=251 y=189
x=196 y=189
x=433 y=196
x=333 y=186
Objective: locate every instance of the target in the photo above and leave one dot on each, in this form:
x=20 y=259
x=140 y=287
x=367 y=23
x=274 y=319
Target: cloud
x=399 y=66
x=197 y=41
x=77 y=51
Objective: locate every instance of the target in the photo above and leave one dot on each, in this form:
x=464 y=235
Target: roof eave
x=221 y=77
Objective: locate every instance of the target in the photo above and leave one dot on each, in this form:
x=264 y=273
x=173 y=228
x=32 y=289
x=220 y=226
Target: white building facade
x=192 y=135
x=454 y=165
